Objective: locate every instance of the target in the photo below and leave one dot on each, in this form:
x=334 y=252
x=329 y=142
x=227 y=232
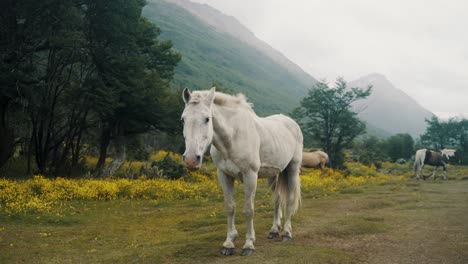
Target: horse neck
x=222 y=132
x=224 y=127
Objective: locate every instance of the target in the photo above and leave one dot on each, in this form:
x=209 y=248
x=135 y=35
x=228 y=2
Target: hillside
x=218 y=48
x=389 y=108
x=228 y=54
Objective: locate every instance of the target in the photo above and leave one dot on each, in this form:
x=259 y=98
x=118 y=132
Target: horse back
x=280 y=140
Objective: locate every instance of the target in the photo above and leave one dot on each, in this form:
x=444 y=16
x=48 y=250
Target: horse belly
x=268 y=172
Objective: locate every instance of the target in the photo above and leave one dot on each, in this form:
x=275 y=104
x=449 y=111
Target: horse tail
x=288 y=187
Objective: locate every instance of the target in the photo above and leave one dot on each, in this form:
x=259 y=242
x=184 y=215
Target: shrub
x=170 y=167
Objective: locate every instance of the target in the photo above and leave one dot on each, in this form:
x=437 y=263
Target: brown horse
x=316 y=159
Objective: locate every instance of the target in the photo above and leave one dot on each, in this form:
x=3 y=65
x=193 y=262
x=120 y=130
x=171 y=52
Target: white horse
x=433 y=158
x=315 y=159
x=245 y=147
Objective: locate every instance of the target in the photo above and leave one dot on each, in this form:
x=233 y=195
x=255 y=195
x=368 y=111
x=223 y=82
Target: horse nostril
x=183 y=157
x=198 y=158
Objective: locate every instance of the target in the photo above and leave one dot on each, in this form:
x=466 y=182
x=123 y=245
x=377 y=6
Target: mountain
x=218 y=48
x=390 y=109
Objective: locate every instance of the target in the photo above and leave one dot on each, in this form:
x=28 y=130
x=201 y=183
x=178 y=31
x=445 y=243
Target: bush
x=170 y=167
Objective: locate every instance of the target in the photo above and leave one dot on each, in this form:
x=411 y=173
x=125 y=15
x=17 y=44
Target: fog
x=420 y=46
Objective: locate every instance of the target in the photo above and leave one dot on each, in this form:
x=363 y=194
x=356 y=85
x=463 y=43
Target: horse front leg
x=227 y=184
x=434 y=173
x=444 y=167
x=274 y=231
x=250 y=187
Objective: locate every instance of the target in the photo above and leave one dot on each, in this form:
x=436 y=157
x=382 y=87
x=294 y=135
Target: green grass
x=354 y=226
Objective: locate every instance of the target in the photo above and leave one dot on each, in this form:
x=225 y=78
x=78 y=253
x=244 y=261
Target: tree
x=70 y=68
x=370 y=150
x=399 y=146
x=447 y=134
x=326 y=115
x=438 y=133
x=131 y=77
x=41 y=60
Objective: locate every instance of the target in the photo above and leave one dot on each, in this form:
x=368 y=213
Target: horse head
x=447 y=153
x=450 y=153
x=198 y=125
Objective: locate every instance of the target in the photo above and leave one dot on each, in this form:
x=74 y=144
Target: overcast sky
x=421 y=46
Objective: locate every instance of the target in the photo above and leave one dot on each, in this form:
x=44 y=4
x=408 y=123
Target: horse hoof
x=286 y=238
x=247 y=251
x=272 y=235
x=227 y=251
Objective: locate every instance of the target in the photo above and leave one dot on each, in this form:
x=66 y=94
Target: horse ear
x=211 y=95
x=186 y=95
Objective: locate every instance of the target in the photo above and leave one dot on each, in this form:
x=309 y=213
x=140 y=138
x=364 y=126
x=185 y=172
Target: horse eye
x=207 y=120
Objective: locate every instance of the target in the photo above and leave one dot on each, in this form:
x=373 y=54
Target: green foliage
x=447 y=134
x=170 y=167
x=326 y=116
x=438 y=133
x=370 y=150
x=399 y=146
x=81 y=69
x=136 y=149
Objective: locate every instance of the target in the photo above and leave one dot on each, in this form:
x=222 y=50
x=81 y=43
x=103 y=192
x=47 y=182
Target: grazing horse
x=316 y=159
x=245 y=147
x=433 y=158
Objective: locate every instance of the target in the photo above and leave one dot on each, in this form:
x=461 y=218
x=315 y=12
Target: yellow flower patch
x=41 y=194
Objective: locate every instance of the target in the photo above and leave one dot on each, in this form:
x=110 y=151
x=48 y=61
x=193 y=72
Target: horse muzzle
x=192 y=163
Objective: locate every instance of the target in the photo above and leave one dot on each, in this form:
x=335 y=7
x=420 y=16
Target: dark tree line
x=372 y=150
x=452 y=133
x=81 y=72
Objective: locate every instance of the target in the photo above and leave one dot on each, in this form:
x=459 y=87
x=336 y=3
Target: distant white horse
x=433 y=158
x=315 y=159
x=245 y=147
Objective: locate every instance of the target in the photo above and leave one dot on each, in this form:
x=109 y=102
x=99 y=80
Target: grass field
x=394 y=221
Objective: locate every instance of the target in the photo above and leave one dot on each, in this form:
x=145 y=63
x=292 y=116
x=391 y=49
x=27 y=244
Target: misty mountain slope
x=389 y=108
x=233 y=27
x=210 y=54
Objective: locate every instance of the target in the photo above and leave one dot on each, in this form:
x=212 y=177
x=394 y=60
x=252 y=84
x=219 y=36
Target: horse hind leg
x=293 y=196
x=420 y=171
x=274 y=231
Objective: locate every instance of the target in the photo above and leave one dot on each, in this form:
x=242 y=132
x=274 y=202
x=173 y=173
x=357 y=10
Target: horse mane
x=222 y=99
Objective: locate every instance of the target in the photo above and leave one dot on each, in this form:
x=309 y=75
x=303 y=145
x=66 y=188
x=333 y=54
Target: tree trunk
x=103 y=145
x=30 y=149
x=119 y=158
x=7 y=139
